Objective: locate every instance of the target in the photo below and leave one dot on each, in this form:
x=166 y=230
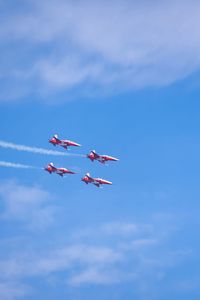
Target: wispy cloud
x=26 y=204
x=110 y=253
x=86 y=263
x=108 y=230
x=58 y=260
x=94 y=275
x=13 y=290
x=92 y=45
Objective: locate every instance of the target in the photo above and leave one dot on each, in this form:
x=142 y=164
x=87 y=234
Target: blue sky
x=121 y=78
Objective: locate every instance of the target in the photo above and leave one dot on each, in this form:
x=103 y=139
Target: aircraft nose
x=71 y=172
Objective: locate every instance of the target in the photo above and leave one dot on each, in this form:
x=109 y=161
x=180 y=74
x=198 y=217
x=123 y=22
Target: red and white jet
x=60 y=171
x=96 y=181
x=101 y=158
x=64 y=143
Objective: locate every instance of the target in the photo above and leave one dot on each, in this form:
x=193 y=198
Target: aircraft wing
x=90 y=178
x=102 y=159
x=96 y=155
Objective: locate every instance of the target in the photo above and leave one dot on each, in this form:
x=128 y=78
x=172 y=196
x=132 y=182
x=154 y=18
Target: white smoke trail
x=36 y=150
x=15 y=165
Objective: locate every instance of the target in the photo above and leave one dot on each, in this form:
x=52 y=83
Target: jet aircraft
x=60 y=171
x=64 y=143
x=96 y=181
x=101 y=158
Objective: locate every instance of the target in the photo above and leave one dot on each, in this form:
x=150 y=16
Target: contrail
x=36 y=150
x=14 y=165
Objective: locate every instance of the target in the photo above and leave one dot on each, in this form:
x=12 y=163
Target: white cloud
x=27 y=204
x=12 y=291
x=91 y=263
x=188 y=285
x=94 y=275
x=120 y=228
x=63 y=258
x=112 y=229
x=96 y=46
x=109 y=254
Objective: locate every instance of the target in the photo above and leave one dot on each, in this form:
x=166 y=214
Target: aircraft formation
x=51 y=168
